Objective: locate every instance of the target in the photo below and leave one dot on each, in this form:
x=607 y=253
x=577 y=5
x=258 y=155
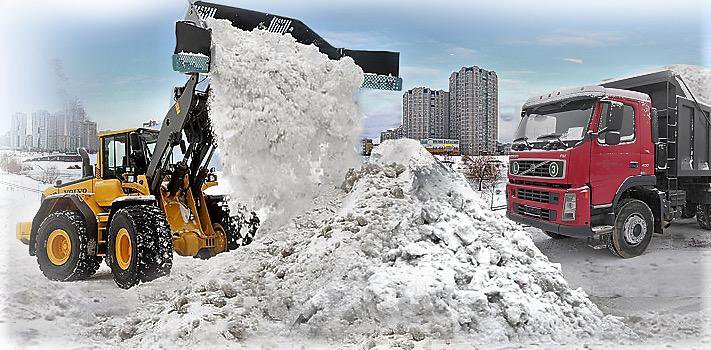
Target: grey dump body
x=681 y=130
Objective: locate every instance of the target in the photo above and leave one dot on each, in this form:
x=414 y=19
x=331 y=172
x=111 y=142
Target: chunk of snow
x=285 y=116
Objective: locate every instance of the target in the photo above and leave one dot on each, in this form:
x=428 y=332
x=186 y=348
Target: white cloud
x=420 y=72
x=573 y=60
x=581 y=38
x=463 y=52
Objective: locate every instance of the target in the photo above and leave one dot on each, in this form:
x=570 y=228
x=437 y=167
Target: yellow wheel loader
x=145 y=196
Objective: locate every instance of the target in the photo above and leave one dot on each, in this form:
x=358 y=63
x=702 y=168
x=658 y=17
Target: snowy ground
x=664 y=294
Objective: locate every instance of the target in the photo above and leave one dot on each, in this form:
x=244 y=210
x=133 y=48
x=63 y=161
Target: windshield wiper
x=523 y=142
x=555 y=140
x=549 y=136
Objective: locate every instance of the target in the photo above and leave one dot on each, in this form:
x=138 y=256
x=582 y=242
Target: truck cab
x=596 y=162
x=565 y=147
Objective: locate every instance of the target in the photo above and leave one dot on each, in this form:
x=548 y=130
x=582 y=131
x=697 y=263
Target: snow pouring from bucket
x=285 y=117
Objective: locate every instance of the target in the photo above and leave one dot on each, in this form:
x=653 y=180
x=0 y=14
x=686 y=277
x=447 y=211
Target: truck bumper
x=581 y=231
x=543 y=206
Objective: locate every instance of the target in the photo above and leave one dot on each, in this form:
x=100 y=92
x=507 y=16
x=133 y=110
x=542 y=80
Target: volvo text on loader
x=145 y=197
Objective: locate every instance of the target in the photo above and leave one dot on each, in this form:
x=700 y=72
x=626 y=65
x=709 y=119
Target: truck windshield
x=564 y=123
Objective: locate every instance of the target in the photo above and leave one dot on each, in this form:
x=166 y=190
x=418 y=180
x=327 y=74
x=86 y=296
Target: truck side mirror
x=612 y=138
x=614 y=119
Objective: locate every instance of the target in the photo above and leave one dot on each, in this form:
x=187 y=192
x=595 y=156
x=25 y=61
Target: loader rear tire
x=62 y=246
x=703 y=216
x=140 y=245
x=219 y=212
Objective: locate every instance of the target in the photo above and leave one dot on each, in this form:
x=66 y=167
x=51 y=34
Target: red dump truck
x=612 y=163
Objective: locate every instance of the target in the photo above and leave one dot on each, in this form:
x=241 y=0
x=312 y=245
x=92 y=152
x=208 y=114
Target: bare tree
x=50 y=174
x=484 y=170
x=10 y=164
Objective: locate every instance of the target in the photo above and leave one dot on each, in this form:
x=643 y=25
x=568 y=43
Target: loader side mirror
x=138 y=156
x=86 y=169
x=135 y=142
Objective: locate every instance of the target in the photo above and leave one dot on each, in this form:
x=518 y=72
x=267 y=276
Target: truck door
x=611 y=165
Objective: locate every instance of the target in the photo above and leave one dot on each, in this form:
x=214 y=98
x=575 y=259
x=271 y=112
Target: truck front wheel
x=634 y=225
x=703 y=216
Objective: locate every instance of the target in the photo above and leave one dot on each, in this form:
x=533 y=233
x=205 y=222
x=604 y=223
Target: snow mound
x=697 y=78
x=285 y=117
x=409 y=251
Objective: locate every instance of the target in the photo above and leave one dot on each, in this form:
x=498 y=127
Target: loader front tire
x=140 y=245
x=62 y=246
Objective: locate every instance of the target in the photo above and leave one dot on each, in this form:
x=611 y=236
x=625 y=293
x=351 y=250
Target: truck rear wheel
x=634 y=225
x=62 y=248
x=140 y=245
x=554 y=235
x=703 y=216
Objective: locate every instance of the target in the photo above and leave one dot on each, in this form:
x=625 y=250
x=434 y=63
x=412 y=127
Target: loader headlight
x=569 y=206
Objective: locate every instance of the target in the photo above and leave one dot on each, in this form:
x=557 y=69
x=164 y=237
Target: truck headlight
x=569 y=205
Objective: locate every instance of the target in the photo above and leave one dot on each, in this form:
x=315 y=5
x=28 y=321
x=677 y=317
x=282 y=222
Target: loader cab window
x=627 y=131
x=114 y=156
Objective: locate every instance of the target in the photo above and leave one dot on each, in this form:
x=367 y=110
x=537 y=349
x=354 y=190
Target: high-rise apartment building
x=89 y=140
x=75 y=116
x=474 y=110
x=39 y=129
x=18 y=131
x=425 y=113
x=57 y=132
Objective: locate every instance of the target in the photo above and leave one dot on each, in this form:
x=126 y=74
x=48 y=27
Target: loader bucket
x=192 y=48
x=381 y=68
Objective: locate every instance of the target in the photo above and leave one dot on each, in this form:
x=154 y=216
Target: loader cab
x=125 y=152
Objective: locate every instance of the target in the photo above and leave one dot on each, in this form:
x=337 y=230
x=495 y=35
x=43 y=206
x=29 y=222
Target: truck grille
x=537 y=196
x=533 y=212
x=538 y=168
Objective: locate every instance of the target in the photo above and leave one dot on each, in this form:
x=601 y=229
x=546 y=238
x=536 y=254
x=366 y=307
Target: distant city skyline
x=66 y=129
x=115 y=57
x=467 y=113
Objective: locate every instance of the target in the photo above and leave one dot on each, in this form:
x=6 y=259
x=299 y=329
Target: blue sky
x=116 y=54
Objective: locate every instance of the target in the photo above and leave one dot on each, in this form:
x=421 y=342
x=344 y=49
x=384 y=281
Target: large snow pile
x=697 y=78
x=285 y=117
x=407 y=251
